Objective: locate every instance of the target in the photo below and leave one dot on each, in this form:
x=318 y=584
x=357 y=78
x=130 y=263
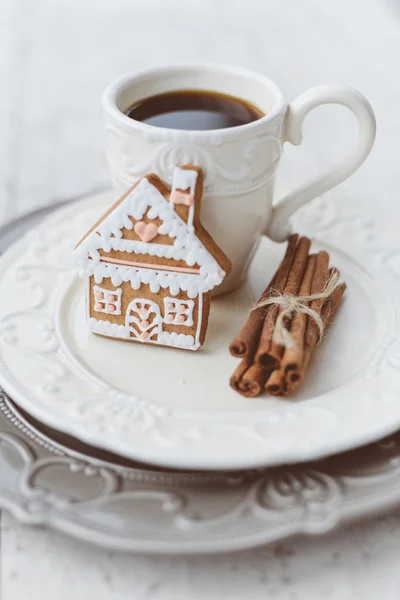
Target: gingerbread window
x=178 y=312
x=107 y=301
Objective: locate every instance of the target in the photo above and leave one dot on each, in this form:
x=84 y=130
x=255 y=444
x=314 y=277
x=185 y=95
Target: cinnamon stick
x=266 y=364
x=304 y=330
x=249 y=379
x=332 y=304
x=294 y=378
x=245 y=343
x=293 y=356
x=269 y=354
x=275 y=386
x=321 y=276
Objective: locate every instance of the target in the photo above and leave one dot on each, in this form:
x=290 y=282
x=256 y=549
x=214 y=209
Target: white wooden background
x=56 y=56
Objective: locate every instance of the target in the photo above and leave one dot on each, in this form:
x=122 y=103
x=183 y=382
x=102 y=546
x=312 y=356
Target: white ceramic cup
x=239 y=162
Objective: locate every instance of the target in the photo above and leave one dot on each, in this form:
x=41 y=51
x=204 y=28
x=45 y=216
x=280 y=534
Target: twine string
x=290 y=305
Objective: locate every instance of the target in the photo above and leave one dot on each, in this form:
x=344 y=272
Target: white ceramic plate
x=50 y=479
x=175 y=408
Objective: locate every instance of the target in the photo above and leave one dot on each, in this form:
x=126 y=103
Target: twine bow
x=298 y=304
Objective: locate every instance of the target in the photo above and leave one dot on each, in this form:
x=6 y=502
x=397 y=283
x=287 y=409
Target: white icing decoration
x=183 y=179
x=106 y=328
x=192 y=284
x=178 y=340
x=133 y=316
x=187 y=304
x=121 y=331
x=116 y=303
x=187 y=247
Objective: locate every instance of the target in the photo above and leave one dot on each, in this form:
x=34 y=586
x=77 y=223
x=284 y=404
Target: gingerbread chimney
x=186 y=192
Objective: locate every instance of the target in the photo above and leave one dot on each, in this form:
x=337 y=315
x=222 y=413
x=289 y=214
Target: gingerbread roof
x=174 y=241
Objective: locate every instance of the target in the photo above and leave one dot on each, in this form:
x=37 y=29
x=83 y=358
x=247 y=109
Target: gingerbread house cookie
x=150 y=265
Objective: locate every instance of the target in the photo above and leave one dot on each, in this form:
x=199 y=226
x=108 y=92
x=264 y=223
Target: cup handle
x=278 y=228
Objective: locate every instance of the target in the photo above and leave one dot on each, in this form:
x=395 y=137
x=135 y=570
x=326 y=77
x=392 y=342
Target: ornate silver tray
x=50 y=479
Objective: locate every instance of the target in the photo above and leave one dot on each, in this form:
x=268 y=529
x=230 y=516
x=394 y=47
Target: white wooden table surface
x=56 y=56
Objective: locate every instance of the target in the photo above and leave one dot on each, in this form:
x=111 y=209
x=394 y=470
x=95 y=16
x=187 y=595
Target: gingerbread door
x=143 y=318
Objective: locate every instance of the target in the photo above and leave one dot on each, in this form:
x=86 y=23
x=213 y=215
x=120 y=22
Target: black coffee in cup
x=194 y=110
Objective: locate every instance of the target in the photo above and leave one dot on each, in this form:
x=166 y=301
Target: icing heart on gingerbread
x=146 y=231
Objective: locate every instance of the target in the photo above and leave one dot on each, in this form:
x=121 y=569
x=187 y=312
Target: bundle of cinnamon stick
x=276 y=362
